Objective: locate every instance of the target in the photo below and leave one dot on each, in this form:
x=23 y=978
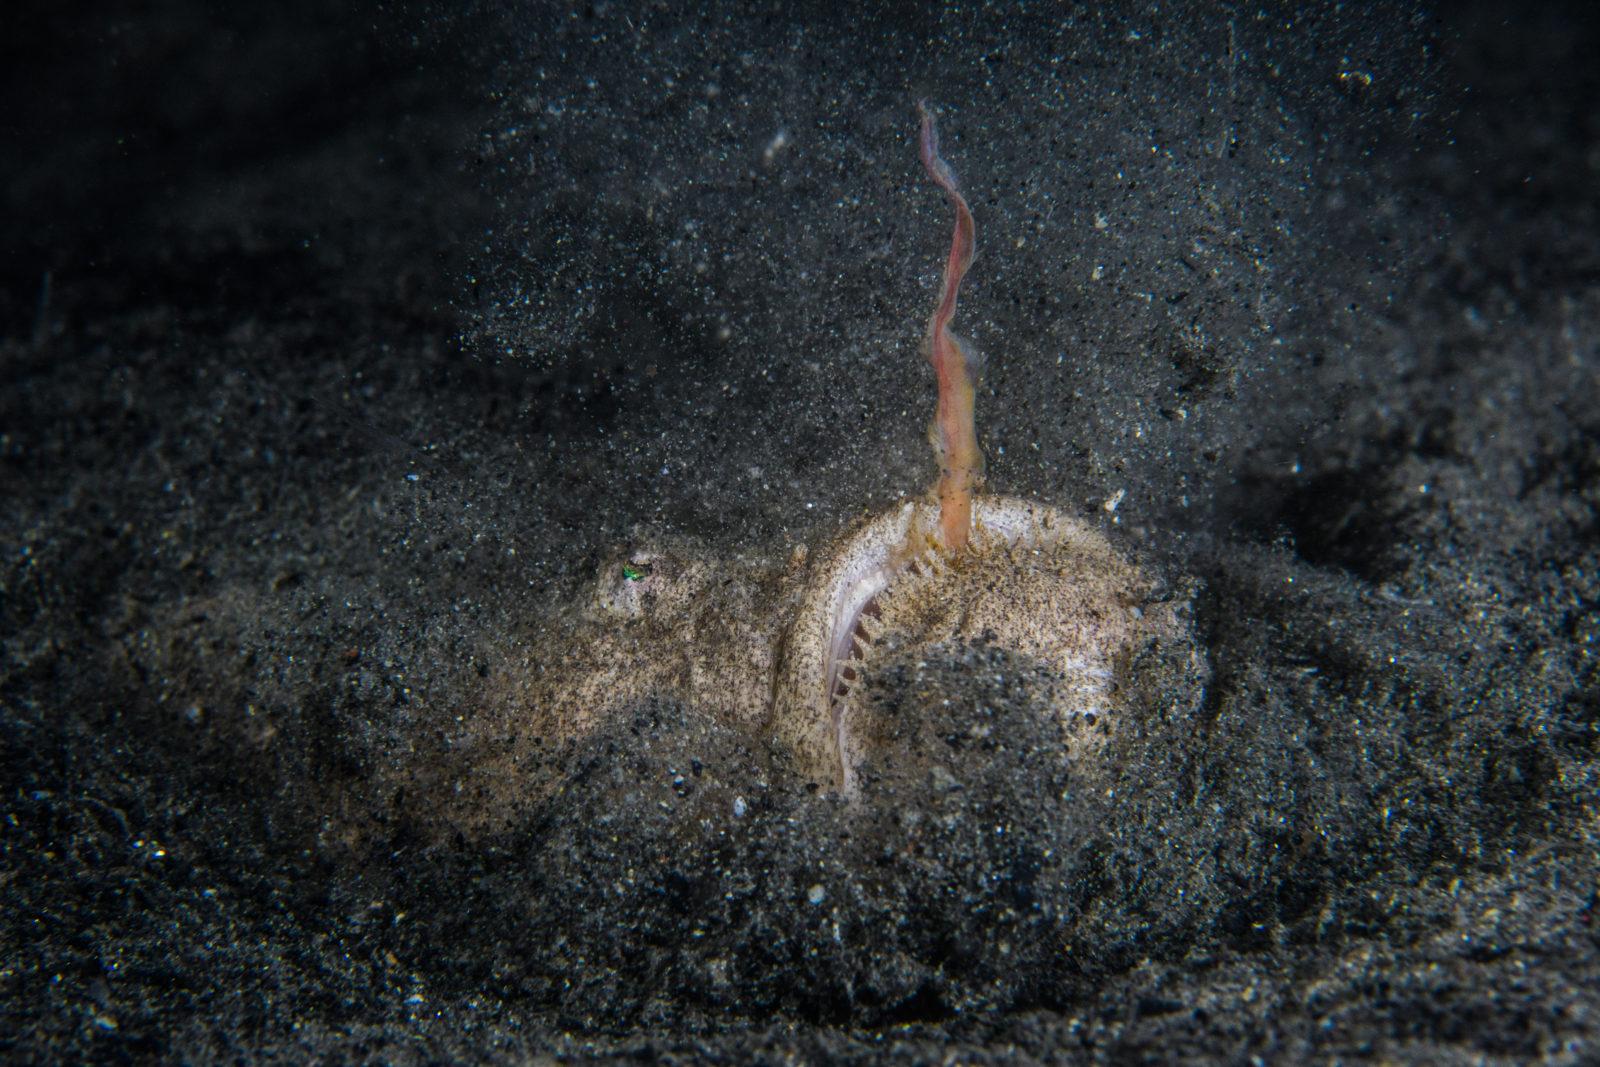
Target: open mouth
x=1047 y=584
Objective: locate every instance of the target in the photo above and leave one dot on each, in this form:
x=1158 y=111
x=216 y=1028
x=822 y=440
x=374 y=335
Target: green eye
x=635 y=571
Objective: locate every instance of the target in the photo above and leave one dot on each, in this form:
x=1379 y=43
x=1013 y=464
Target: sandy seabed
x=348 y=352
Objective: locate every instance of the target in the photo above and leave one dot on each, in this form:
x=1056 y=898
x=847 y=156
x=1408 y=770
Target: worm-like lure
x=955 y=363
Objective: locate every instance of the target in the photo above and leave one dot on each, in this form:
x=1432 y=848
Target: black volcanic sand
x=340 y=343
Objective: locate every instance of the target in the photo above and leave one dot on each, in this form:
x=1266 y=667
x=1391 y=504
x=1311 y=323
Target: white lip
x=818 y=641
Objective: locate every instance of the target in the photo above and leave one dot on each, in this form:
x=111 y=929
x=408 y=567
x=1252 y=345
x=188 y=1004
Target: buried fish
x=782 y=649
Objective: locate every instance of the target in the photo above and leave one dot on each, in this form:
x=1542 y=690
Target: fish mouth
x=837 y=622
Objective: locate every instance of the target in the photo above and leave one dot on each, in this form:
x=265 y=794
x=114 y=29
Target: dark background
x=340 y=341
